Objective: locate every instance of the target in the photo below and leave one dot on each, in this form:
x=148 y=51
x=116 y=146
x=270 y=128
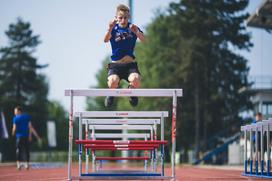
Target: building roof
x=262 y=17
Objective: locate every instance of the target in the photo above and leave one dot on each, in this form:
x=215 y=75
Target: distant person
x=123 y=35
x=258 y=117
x=22 y=129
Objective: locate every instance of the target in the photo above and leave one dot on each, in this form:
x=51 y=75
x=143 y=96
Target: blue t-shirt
x=21 y=122
x=122 y=41
x=254 y=121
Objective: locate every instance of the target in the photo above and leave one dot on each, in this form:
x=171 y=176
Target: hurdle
x=132 y=145
x=116 y=145
x=251 y=130
x=174 y=93
x=122 y=124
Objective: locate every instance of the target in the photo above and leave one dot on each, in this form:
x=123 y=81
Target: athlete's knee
x=134 y=80
x=113 y=81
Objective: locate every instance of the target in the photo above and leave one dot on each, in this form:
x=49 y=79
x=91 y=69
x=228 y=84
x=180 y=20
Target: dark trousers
x=22 y=147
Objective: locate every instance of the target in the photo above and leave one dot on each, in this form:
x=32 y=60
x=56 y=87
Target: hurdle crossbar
x=123 y=92
x=121 y=121
x=136 y=114
x=120 y=142
x=120 y=127
x=120 y=148
x=122 y=145
x=121 y=135
x=265 y=125
x=121 y=158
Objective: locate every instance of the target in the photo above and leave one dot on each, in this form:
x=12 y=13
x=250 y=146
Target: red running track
x=8 y=172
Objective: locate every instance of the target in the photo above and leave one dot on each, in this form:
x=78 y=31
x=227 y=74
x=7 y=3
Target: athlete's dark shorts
x=123 y=70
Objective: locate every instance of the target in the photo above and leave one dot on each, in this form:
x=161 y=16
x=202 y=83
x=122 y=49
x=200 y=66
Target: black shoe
x=133 y=101
x=108 y=101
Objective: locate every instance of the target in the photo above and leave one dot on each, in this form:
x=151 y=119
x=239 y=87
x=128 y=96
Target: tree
x=195 y=46
x=20 y=82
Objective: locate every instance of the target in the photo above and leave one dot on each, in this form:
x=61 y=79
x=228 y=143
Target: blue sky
x=72 y=38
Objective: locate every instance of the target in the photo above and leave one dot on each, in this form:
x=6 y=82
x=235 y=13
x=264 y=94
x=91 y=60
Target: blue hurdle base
x=123 y=175
x=258 y=176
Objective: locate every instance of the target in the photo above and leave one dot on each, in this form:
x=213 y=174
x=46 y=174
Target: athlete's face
x=258 y=117
x=122 y=18
x=16 y=111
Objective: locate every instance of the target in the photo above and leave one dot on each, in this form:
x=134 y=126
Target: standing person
x=22 y=129
x=258 y=117
x=123 y=35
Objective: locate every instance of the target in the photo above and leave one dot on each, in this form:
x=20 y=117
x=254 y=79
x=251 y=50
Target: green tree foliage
x=20 y=82
x=194 y=46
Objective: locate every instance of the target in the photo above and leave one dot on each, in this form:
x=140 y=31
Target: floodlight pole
x=130 y=5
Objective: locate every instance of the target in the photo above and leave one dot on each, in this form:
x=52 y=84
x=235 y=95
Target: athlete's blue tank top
x=122 y=41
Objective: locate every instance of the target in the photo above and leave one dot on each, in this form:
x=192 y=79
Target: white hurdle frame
x=85 y=117
x=94 y=128
x=174 y=93
x=121 y=121
x=129 y=124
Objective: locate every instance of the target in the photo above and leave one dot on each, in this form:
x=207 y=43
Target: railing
x=258 y=136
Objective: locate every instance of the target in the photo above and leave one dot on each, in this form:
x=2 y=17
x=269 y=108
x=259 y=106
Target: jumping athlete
x=123 y=35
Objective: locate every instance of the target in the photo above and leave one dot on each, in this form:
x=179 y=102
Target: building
x=262 y=87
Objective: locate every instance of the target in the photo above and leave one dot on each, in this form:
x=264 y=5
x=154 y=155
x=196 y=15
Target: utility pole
x=130 y=5
x=125 y=153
